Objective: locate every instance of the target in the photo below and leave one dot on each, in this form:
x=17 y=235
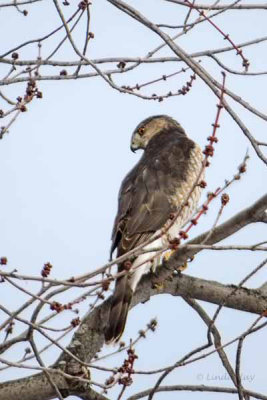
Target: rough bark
x=89 y=338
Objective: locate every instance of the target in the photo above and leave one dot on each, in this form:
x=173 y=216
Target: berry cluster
x=3 y=261
x=46 y=270
x=127 y=368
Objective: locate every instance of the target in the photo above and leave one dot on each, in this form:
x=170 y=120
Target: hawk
x=149 y=196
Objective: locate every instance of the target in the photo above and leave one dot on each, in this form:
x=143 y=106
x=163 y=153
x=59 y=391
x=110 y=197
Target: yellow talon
x=158 y=286
x=182 y=267
x=168 y=254
x=185 y=265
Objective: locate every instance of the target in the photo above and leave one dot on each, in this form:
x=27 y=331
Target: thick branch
x=255 y=213
x=90 y=335
x=37 y=387
x=243 y=299
x=34 y=387
x=89 y=338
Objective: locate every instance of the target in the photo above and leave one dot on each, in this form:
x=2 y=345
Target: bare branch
x=195 y=388
x=256 y=6
x=201 y=72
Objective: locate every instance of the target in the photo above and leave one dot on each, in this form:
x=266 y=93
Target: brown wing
x=145 y=195
x=143 y=208
x=145 y=204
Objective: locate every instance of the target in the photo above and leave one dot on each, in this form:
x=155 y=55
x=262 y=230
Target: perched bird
x=149 y=196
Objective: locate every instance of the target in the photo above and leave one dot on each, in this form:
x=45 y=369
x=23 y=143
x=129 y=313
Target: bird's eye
x=141 y=131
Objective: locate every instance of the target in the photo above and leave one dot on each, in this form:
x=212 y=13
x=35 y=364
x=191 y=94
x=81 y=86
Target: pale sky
x=63 y=161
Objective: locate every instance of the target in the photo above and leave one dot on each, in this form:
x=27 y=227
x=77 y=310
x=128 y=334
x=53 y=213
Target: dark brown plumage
x=147 y=197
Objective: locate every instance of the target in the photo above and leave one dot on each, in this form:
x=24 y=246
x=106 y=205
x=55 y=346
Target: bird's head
x=150 y=127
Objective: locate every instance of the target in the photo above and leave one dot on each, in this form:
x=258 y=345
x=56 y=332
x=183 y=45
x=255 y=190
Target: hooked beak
x=134 y=147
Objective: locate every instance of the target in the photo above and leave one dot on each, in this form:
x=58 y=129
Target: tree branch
x=89 y=338
x=222 y=6
x=195 y=388
x=196 y=67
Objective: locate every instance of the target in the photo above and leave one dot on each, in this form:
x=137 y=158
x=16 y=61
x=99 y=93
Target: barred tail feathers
x=122 y=296
x=119 y=310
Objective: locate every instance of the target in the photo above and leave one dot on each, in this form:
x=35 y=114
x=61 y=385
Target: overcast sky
x=63 y=161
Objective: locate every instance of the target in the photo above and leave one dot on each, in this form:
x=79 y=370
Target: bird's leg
x=173 y=245
x=168 y=254
x=154 y=263
x=156 y=282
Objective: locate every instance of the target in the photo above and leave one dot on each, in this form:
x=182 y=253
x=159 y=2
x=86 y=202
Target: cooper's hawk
x=149 y=196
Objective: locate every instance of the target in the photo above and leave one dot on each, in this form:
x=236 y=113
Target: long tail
x=121 y=300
